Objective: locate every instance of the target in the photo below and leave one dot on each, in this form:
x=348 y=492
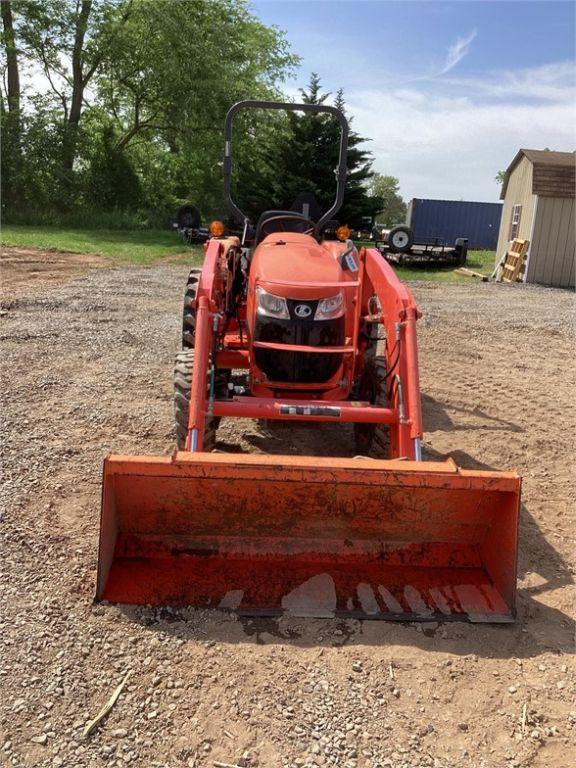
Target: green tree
x=172 y=72
x=359 y=207
x=66 y=40
x=111 y=182
x=162 y=74
x=386 y=189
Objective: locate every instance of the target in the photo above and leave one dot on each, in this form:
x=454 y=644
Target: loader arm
x=399 y=316
x=205 y=310
x=208 y=321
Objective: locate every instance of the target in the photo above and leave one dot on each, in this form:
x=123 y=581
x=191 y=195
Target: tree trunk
x=78 y=85
x=13 y=75
x=11 y=121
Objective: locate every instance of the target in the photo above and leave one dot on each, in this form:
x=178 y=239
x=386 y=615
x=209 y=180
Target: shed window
x=515 y=222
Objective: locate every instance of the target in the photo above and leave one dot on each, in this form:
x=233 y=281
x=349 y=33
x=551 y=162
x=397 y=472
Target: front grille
x=299 y=367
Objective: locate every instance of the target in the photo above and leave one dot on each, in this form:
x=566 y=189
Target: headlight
x=330 y=308
x=270 y=305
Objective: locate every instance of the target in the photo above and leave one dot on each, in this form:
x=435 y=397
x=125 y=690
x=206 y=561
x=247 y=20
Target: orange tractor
x=314 y=330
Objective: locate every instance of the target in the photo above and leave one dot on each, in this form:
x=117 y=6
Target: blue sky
x=447 y=91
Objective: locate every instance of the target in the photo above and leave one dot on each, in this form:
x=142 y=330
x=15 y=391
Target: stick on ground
x=107 y=707
x=523 y=719
x=218 y=764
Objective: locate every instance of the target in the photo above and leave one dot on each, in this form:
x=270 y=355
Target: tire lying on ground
x=400 y=239
x=188 y=216
x=461 y=249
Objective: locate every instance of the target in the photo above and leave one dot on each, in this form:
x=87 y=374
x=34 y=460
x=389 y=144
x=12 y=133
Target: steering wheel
x=282 y=218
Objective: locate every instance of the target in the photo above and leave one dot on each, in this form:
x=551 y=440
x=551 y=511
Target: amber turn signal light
x=216 y=229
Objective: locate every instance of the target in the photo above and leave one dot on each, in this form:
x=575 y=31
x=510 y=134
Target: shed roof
x=554 y=172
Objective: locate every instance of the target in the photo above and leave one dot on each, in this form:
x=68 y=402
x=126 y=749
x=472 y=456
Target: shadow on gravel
x=536 y=556
x=436 y=417
x=294 y=439
x=539 y=628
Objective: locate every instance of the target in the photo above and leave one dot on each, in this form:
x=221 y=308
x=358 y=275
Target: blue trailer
x=442 y=221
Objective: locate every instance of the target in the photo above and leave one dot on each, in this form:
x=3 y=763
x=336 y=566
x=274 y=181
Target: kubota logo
x=302 y=310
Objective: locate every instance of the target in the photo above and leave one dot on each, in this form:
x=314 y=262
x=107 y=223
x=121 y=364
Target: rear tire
x=182 y=388
x=189 y=313
x=373 y=439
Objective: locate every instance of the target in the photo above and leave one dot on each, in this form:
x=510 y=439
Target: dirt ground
x=87 y=358
x=25 y=269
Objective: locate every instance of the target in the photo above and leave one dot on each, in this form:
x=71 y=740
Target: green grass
x=147 y=246
x=135 y=246
x=479 y=261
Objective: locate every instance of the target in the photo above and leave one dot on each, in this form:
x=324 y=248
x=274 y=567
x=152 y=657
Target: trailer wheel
x=182 y=387
x=373 y=439
x=189 y=313
x=400 y=239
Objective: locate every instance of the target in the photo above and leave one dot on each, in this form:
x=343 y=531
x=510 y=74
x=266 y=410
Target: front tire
x=182 y=387
x=373 y=439
x=189 y=312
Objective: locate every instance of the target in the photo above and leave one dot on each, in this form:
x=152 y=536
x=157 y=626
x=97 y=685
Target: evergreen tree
x=309 y=156
x=304 y=159
x=359 y=207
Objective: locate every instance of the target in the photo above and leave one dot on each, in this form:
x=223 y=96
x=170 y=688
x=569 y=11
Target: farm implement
x=291 y=322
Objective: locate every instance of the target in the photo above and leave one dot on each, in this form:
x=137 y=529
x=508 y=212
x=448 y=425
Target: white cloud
x=441 y=144
x=551 y=82
x=457 y=51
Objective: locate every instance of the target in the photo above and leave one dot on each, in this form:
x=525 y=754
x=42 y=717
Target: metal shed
x=446 y=220
x=538 y=194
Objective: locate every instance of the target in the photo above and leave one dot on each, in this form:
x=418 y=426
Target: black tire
x=373 y=439
x=400 y=239
x=461 y=248
x=189 y=313
x=182 y=386
x=188 y=216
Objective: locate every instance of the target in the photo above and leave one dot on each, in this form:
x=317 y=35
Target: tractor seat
x=294 y=222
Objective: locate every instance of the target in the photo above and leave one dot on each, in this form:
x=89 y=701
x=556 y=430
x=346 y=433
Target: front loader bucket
x=267 y=535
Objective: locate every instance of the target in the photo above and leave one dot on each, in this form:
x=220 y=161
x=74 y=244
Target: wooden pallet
x=512 y=266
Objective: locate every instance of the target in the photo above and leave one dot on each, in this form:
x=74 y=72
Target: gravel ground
x=87 y=358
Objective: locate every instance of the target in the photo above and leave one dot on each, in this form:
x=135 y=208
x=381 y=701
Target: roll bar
x=341 y=171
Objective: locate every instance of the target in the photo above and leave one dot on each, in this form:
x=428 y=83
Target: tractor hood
x=295 y=259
